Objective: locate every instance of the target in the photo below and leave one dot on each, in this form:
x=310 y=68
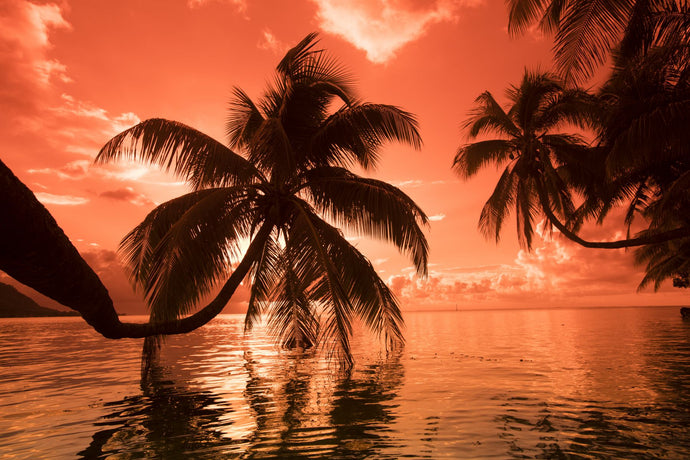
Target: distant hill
x=14 y=304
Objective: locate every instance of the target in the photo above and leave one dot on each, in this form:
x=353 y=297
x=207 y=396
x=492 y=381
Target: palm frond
x=271 y=149
x=371 y=207
x=367 y=295
x=244 y=119
x=498 y=205
x=264 y=276
x=525 y=213
x=190 y=154
x=353 y=134
x=587 y=32
x=308 y=246
x=488 y=117
x=470 y=158
x=292 y=317
x=523 y=13
x=177 y=257
x=663 y=261
x=575 y=107
x=535 y=92
x=296 y=56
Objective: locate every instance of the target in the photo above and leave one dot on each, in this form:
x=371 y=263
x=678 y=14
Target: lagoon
x=551 y=383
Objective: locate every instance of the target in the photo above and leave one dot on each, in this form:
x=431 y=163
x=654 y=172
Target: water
x=600 y=383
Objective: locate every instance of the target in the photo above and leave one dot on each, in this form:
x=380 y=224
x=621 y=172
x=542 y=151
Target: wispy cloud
x=61 y=200
x=382 y=27
x=416 y=183
x=271 y=43
x=240 y=5
x=437 y=217
x=129 y=195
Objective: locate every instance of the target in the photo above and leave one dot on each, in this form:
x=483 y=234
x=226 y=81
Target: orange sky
x=76 y=72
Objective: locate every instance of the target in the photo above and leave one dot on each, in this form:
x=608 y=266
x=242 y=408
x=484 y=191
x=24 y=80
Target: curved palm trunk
x=682 y=232
x=36 y=252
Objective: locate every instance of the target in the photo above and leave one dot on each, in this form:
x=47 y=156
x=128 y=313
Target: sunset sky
x=76 y=72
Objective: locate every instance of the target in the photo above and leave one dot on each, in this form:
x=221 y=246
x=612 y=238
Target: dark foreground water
x=601 y=383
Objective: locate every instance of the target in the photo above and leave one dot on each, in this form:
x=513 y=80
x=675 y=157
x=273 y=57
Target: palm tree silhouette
x=283 y=174
x=545 y=167
x=529 y=143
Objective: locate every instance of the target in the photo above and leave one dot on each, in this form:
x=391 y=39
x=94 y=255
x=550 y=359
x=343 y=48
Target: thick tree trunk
x=36 y=252
x=682 y=232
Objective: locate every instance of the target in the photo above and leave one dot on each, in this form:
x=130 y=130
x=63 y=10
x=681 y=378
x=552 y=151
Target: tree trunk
x=36 y=252
x=682 y=232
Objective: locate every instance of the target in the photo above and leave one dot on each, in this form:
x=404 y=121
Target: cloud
x=382 y=27
x=24 y=29
x=269 y=42
x=32 y=86
x=416 y=183
x=61 y=200
x=437 y=217
x=129 y=195
x=73 y=170
x=410 y=183
x=240 y=5
x=556 y=272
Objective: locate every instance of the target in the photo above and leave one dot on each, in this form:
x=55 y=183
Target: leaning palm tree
x=546 y=167
x=283 y=183
x=532 y=147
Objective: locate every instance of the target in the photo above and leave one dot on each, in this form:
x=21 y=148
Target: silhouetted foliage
x=283 y=183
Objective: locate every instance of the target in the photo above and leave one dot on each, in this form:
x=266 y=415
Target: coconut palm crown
x=282 y=182
x=530 y=144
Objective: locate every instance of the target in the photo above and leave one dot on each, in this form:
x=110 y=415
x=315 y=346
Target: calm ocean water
x=559 y=383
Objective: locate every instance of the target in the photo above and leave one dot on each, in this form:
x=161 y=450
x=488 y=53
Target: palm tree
x=545 y=167
x=532 y=149
x=283 y=183
x=587 y=31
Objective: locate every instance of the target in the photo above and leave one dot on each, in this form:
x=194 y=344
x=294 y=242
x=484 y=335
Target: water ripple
x=512 y=384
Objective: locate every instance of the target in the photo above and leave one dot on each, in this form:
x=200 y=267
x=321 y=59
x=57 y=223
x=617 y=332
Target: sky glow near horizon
x=75 y=73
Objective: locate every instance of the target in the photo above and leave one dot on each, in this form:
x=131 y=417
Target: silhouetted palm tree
x=545 y=167
x=532 y=147
x=283 y=173
x=642 y=159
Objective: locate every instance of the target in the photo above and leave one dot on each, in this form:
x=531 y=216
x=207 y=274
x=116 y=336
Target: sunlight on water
x=600 y=383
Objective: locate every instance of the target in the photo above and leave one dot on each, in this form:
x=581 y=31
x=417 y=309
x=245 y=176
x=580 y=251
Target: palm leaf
x=292 y=317
x=353 y=134
x=181 y=259
x=523 y=13
x=370 y=207
x=244 y=119
x=190 y=154
x=498 y=205
x=487 y=117
x=264 y=276
x=305 y=238
x=470 y=158
x=587 y=32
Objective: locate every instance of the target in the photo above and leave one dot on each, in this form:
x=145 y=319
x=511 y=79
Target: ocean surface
x=558 y=383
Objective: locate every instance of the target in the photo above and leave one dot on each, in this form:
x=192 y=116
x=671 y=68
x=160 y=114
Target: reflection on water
x=608 y=383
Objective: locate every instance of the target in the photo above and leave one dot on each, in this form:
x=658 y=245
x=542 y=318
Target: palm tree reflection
x=298 y=410
x=166 y=421
x=300 y=416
